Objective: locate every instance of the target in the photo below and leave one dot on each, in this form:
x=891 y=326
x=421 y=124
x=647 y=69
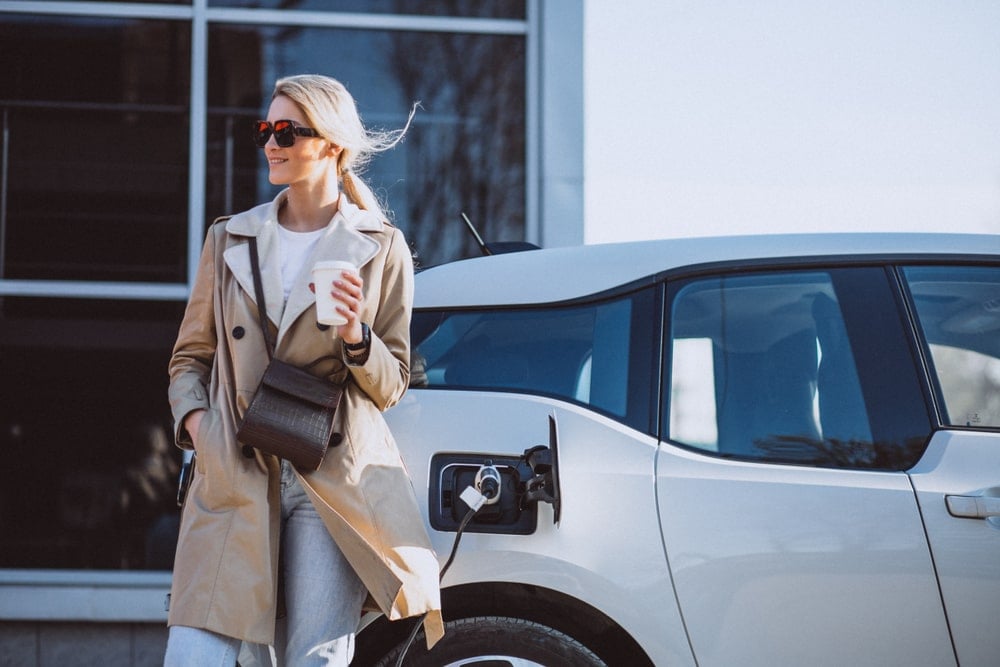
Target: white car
x=767 y=450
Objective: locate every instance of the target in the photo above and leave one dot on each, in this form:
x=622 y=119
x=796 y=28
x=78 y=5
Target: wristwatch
x=359 y=351
x=366 y=340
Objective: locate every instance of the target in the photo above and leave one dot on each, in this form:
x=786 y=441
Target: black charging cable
x=489 y=489
x=454 y=549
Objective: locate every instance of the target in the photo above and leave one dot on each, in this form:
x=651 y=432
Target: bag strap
x=258 y=289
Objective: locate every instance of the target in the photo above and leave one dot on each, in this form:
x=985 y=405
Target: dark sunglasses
x=284 y=132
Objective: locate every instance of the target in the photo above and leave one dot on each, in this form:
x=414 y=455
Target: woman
x=352 y=527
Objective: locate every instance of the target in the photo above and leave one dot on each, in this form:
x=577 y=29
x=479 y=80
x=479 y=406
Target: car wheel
x=497 y=641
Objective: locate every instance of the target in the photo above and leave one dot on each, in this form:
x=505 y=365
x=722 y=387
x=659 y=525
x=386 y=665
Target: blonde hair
x=332 y=111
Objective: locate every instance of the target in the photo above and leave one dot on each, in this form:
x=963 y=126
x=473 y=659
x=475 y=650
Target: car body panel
x=792 y=565
x=557 y=274
x=610 y=556
x=966 y=550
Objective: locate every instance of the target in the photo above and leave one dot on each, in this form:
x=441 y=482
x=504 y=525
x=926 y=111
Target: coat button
x=248 y=451
x=238 y=332
x=336 y=439
x=322 y=327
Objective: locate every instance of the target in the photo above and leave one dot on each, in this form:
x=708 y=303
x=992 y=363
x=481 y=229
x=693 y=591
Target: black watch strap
x=366 y=340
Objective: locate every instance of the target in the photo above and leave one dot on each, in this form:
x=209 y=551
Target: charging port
x=451 y=474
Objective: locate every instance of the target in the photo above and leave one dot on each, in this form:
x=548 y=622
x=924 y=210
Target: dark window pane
x=141 y=2
x=500 y=9
x=596 y=354
x=465 y=152
x=762 y=368
x=94 y=115
x=812 y=368
x=90 y=472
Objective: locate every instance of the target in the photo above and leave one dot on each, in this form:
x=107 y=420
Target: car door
x=958 y=479
x=792 y=409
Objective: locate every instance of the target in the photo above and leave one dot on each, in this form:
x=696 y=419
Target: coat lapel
x=344 y=240
x=261 y=222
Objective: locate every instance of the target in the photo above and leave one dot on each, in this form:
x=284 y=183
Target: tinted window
x=601 y=354
x=89 y=477
x=94 y=142
x=811 y=367
x=492 y=9
x=762 y=368
x=958 y=310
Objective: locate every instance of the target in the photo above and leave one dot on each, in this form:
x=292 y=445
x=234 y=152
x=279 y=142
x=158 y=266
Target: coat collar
x=344 y=239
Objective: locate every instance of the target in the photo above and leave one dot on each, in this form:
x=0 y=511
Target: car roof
x=561 y=274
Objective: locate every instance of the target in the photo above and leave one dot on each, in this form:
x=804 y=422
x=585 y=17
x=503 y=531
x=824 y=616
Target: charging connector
x=488 y=482
x=473 y=498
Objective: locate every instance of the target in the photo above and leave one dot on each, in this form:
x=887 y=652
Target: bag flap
x=301 y=384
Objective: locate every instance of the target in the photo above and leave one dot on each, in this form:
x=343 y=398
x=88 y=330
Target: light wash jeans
x=323 y=598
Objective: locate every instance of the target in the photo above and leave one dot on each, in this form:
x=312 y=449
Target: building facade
x=124 y=133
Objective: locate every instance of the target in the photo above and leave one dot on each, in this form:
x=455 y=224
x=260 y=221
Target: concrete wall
x=62 y=644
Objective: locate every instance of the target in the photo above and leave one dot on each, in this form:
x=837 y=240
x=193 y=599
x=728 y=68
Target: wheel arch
x=562 y=612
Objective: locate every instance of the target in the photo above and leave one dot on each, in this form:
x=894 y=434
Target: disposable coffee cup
x=323 y=275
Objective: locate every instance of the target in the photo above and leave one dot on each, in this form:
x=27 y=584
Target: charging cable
x=485 y=491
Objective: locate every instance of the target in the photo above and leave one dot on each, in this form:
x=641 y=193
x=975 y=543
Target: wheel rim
x=494 y=661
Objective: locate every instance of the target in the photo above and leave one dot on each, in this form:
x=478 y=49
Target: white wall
x=713 y=117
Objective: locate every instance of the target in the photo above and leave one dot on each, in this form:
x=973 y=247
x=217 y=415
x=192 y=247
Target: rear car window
x=597 y=354
x=958 y=312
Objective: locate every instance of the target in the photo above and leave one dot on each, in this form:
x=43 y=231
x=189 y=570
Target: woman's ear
x=334 y=149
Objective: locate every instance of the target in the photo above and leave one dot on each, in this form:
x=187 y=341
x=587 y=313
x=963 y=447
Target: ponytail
x=360 y=194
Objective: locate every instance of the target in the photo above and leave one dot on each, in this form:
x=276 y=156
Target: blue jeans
x=323 y=598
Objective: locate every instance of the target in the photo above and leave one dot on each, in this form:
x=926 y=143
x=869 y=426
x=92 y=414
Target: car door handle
x=973 y=507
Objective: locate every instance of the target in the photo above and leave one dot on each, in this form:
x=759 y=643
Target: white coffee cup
x=323 y=275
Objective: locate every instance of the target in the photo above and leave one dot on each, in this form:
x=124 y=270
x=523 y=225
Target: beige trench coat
x=225 y=575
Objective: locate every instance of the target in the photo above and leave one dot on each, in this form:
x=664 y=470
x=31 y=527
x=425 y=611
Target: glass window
x=90 y=469
x=507 y=9
x=465 y=152
x=761 y=367
x=95 y=136
x=958 y=310
x=596 y=354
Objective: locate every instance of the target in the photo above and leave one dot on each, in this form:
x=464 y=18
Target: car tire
x=494 y=641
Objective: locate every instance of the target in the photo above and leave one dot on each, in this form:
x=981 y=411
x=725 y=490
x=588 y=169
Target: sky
x=714 y=117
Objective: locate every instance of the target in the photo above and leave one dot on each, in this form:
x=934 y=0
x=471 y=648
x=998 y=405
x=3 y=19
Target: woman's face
x=305 y=162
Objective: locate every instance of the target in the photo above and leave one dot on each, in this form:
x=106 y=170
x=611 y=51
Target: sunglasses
x=284 y=132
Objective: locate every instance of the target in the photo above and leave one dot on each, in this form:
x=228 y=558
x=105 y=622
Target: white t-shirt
x=293 y=250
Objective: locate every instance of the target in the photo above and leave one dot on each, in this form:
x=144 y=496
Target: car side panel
x=964 y=464
x=606 y=551
x=790 y=565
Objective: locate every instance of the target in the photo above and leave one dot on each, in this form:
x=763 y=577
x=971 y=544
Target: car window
x=958 y=311
x=597 y=354
x=761 y=367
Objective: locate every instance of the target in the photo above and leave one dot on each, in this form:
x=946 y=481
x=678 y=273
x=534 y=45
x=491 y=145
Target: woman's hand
x=191 y=424
x=349 y=297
